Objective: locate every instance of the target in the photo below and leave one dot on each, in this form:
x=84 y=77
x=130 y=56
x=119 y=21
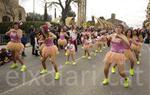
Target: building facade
x=11 y=11
x=115 y=21
x=81 y=12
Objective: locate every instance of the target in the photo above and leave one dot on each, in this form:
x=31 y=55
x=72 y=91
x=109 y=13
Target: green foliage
x=37 y=17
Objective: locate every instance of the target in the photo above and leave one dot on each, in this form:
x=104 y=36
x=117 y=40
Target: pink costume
x=62 y=36
x=128 y=53
x=116 y=54
x=117 y=47
x=14 y=37
x=136 y=45
x=62 y=41
x=15 y=42
x=49 y=49
x=86 y=44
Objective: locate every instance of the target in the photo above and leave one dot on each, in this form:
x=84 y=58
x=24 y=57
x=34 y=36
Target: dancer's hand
x=118 y=36
x=8 y=33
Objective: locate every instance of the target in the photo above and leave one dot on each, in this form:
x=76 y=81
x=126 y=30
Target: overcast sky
x=133 y=12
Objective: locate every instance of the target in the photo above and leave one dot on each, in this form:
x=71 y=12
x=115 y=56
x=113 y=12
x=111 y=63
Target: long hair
x=120 y=25
x=130 y=31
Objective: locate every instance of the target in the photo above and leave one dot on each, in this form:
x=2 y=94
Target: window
x=6 y=19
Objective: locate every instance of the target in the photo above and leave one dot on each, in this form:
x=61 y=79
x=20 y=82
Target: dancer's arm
x=124 y=39
x=53 y=36
x=19 y=33
x=8 y=33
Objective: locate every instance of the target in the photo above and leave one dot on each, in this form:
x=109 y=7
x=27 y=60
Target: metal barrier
x=3 y=39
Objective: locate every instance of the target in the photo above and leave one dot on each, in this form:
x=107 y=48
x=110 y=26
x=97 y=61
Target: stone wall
x=11 y=11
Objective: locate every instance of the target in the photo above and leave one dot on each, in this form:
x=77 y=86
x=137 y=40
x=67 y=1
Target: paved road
x=84 y=78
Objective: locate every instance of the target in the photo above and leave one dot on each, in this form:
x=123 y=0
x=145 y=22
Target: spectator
x=36 y=44
x=147 y=34
x=32 y=39
x=24 y=41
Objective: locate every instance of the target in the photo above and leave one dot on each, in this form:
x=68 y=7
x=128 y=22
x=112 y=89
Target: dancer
x=104 y=39
x=128 y=53
x=86 y=45
x=116 y=55
x=141 y=40
x=136 y=45
x=70 y=51
x=62 y=41
x=84 y=33
x=49 y=50
x=98 y=44
x=94 y=35
x=15 y=46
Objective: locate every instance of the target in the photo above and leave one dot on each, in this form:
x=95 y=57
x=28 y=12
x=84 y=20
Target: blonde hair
x=147 y=24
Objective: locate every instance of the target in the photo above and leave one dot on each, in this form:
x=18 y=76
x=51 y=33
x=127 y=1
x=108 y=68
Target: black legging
x=33 y=49
x=76 y=45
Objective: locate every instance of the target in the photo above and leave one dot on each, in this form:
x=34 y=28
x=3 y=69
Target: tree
x=37 y=17
x=70 y=12
x=45 y=12
x=65 y=7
